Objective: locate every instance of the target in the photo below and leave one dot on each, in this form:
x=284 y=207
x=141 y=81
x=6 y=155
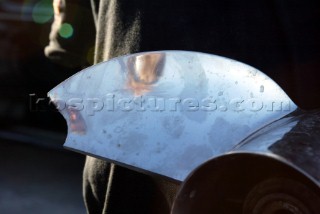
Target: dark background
x=36 y=174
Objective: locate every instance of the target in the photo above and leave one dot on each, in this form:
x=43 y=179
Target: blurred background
x=36 y=174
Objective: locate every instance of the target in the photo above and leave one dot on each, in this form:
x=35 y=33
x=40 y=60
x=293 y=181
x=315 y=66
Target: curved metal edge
x=204 y=186
x=295 y=138
x=77 y=129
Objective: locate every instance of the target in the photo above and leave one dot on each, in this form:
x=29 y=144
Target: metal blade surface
x=166 y=112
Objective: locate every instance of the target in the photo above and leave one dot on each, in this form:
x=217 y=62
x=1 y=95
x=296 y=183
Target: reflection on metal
x=144 y=71
x=76 y=122
x=287 y=149
x=294 y=139
x=167 y=112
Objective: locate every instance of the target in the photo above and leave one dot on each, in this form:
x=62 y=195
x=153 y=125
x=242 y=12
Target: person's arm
x=72 y=35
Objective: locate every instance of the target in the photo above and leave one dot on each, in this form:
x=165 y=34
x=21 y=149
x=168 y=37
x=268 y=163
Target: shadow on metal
x=263 y=174
x=222 y=186
x=226 y=130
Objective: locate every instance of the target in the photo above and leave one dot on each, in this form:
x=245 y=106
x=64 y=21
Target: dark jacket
x=280 y=38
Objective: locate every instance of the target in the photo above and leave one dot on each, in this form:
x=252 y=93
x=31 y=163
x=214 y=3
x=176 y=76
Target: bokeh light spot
x=42 y=12
x=66 y=30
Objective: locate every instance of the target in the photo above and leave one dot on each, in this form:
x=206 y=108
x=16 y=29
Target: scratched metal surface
x=166 y=112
